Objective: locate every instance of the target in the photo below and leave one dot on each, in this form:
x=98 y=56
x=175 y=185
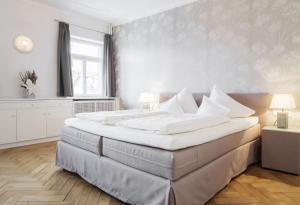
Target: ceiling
x=116 y=11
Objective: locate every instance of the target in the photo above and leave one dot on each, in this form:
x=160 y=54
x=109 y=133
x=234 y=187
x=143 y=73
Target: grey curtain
x=64 y=72
x=109 y=76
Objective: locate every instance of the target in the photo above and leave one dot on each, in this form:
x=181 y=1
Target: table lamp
x=147 y=99
x=283 y=102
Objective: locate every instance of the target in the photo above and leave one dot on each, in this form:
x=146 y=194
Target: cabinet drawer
x=55 y=120
x=31 y=124
x=281 y=151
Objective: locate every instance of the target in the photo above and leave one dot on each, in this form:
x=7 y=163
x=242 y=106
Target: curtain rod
x=109 y=27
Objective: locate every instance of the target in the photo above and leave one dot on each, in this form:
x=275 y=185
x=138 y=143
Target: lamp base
x=282 y=120
x=146 y=106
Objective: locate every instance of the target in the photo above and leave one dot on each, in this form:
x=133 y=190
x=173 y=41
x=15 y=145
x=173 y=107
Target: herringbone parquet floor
x=28 y=176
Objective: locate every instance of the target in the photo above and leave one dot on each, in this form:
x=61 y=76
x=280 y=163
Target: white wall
x=36 y=21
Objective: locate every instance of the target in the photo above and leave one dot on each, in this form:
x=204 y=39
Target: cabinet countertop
x=6 y=100
x=290 y=129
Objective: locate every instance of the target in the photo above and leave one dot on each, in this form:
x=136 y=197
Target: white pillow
x=171 y=106
x=208 y=107
x=236 y=108
x=187 y=101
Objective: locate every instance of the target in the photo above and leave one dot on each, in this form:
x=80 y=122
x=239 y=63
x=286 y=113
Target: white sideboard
x=31 y=121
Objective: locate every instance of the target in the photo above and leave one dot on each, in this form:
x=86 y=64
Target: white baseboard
x=29 y=142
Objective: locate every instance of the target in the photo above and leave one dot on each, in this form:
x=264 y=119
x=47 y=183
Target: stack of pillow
x=219 y=103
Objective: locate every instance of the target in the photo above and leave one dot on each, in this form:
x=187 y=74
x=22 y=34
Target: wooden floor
x=28 y=176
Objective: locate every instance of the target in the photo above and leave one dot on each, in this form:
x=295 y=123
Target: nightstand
x=281 y=149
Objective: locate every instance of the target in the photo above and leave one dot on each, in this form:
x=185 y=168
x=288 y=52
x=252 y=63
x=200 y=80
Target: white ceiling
x=116 y=11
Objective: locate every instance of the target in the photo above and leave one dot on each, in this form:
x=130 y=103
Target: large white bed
x=144 y=167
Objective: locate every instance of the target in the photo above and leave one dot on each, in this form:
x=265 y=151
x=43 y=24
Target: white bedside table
x=281 y=149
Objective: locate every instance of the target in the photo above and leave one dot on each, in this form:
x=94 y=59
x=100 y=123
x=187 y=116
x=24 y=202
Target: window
x=87 y=58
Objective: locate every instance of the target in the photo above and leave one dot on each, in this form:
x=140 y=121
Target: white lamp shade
x=146 y=98
x=283 y=101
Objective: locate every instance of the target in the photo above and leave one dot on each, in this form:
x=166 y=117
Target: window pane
x=87 y=66
x=101 y=51
x=77 y=74
x=85 y=49
x=93 y=78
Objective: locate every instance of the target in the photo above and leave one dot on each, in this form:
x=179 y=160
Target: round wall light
x=23 y=44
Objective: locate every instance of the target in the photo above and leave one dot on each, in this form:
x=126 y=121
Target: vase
x=27 y=95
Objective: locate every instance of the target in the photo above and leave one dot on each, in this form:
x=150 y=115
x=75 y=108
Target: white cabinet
x=31 y=124
x=8 y=124
x=32 y=119
x=55 y=120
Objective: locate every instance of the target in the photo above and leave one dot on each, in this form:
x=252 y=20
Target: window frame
x=84 y=59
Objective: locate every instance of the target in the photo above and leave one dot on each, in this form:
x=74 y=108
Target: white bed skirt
x=137 y=187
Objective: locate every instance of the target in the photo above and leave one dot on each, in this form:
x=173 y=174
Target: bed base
x=137 y=187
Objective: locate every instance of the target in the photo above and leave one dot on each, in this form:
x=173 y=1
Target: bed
x=175 y=171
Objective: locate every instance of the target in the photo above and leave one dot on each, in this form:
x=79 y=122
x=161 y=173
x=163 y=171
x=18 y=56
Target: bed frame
x=137 y=187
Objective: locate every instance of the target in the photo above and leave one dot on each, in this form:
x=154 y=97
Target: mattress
x=175 y=164
x=81 y=139
x=167 y=142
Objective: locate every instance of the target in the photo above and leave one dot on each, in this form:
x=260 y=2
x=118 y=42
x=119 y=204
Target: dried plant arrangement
x=28 y=82
x=28 y=75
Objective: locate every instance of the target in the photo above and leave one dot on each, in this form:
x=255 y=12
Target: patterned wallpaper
x=240 y=45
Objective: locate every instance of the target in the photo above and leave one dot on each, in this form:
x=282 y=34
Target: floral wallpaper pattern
x=240 y=45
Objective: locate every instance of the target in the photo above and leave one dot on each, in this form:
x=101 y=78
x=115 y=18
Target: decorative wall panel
x=240 y=45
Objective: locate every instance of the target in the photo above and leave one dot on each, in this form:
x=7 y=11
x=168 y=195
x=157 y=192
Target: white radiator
x=81 y=105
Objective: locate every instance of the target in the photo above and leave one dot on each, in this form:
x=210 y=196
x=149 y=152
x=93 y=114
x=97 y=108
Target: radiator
x=80 y=105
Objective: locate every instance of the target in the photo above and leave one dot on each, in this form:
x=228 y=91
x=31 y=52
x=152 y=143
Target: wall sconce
x=23 y=44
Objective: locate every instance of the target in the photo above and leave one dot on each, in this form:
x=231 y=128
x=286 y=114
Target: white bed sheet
x=167 y=142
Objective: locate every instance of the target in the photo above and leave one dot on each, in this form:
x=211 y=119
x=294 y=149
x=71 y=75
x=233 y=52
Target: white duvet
x=167 y=142
x=113 y=117
x=165 y=123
